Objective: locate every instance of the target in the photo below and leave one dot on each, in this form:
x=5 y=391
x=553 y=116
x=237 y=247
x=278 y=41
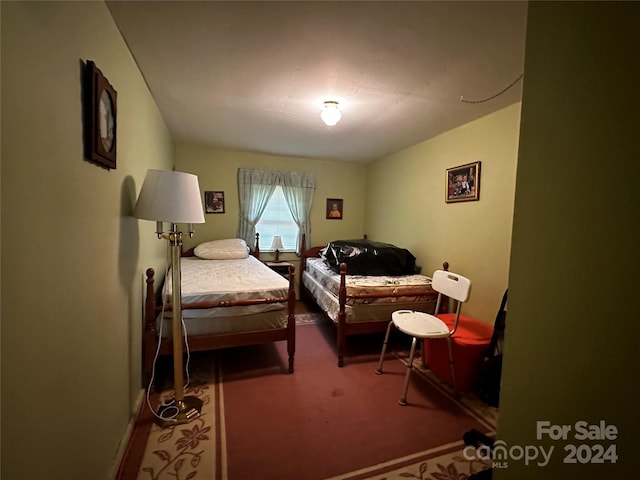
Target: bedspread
x=228 y=280
x=411 y=286
x=410 y=291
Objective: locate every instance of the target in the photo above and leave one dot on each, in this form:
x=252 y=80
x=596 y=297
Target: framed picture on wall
x=100 y=117
x=462 y=184
x=334 y=208
x=214 y=202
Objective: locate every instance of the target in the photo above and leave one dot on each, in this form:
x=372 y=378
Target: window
x=255 y=191
x=277 y=220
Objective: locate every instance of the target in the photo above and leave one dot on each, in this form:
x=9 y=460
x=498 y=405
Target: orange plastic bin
x=469 y=343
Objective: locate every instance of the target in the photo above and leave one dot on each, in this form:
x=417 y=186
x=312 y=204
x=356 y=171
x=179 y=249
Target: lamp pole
x=184 y=409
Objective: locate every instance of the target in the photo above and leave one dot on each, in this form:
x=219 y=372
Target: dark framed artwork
x=101 y=118
x=334 y=208
x=462 y=184
x=214 y=202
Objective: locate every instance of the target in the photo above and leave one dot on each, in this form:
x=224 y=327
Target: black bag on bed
x=364 y=257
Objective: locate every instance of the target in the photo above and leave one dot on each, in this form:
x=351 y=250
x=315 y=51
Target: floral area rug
x=187 y=451
x=443 y=463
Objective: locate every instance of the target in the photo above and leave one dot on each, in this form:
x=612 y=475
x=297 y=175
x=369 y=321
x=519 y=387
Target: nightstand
x=280 y=267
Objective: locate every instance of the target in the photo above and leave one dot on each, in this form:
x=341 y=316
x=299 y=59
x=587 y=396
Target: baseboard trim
x=125 y=444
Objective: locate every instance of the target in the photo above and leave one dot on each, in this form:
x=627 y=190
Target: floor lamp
x=173 y=197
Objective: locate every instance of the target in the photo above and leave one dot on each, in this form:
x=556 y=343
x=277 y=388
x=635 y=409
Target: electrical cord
x=464 y=100
x=172 y=412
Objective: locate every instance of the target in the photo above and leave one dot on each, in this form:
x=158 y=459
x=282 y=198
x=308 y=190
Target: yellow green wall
x=72 y=257
x=571 y=346
x=405 y=198
x=217 y=170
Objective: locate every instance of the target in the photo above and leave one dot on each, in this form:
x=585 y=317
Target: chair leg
x=452 y=365
x=384 y=348
x=421 y=354
x=403 y=398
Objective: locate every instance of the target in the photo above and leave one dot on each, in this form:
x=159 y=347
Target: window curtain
x=255 y=188
x=298 y=190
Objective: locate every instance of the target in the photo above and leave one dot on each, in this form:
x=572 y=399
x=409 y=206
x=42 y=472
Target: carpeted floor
x=322 y=422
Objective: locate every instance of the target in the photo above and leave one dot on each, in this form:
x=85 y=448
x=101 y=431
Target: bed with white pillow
x=230 y=298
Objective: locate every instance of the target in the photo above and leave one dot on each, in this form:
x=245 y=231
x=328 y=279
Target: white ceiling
x=252 y=75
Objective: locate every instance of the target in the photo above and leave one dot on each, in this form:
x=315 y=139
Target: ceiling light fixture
x=330 y=113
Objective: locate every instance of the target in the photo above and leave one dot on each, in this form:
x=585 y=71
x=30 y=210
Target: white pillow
x=228 y=249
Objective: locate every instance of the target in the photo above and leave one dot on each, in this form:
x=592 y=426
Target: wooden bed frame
x=215 y=341
x=343 y=328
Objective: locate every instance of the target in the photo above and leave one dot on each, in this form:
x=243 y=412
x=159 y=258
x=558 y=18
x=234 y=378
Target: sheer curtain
x=298 y=190
x=255 y=188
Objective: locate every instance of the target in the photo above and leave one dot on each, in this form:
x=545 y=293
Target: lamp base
x=179 y=413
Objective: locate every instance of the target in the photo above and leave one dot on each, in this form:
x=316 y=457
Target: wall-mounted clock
x=101 y=131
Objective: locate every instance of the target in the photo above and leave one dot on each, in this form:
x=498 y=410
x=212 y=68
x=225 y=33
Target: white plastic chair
x=422 y=325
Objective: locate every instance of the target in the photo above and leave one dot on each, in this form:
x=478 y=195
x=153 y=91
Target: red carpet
x=319 y=423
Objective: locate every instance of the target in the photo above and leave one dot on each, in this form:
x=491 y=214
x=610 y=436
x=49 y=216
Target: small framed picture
x=214 y=202
x=462 y=184
x=334 y=208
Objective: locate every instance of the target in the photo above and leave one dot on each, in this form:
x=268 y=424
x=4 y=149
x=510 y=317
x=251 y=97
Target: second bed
x=358 y=304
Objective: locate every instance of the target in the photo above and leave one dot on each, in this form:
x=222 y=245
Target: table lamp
x=276 y=245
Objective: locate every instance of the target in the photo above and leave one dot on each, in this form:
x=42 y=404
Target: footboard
x=345 y=329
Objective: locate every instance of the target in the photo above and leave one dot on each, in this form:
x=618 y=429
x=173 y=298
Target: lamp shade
x=168 y=196
x=276 y=244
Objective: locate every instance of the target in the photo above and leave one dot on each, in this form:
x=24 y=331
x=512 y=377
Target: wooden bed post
x=149 y=333
x=291 y=318
x=304 y=295
x=444 y=307
x=342 y=314
x=303 y=257
x=256 y=250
